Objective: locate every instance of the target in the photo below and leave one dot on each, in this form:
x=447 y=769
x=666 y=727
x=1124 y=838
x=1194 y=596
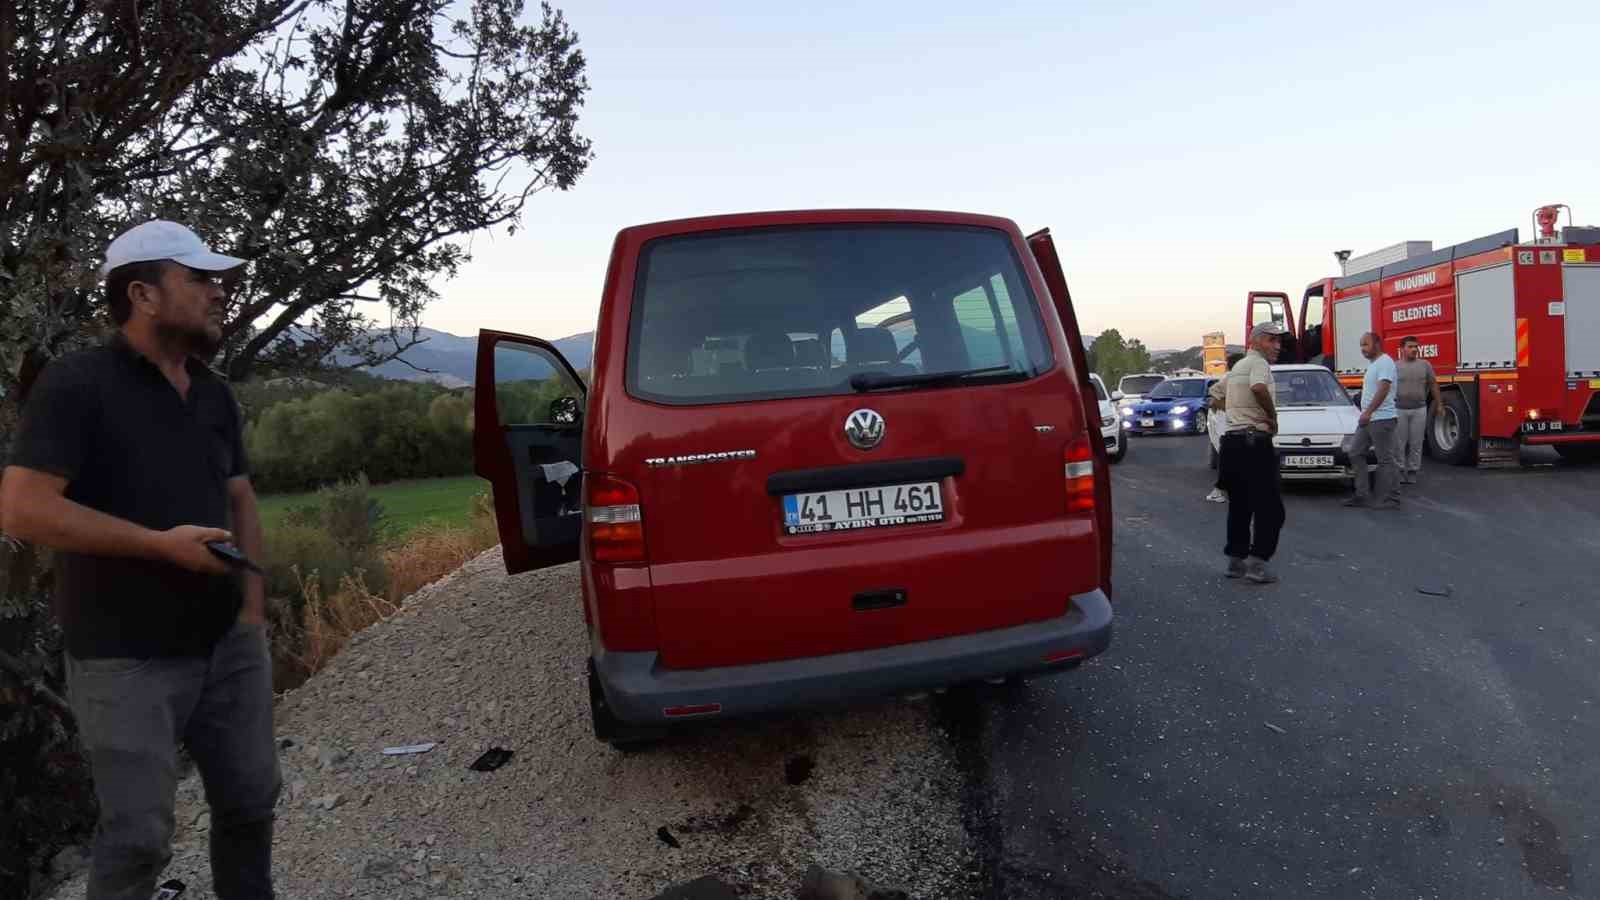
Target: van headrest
x=768 y=350
x=871 y=345
x=809 y=352
x=664 y=357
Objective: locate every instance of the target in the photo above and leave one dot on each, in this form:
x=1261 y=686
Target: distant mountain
x=453 y=359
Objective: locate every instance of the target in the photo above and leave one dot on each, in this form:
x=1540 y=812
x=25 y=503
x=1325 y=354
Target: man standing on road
x=128 y=461
x=1417 y=386
x=1249 y=462
x=1376 y=428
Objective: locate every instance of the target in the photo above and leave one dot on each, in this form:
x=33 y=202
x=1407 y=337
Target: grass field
x=406 y=504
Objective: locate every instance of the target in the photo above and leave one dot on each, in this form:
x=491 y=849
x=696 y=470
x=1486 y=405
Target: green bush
x=350 y=514
x=320 y=544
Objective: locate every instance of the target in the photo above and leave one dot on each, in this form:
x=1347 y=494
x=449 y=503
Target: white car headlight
x=1179 y=410
x=1108 y=421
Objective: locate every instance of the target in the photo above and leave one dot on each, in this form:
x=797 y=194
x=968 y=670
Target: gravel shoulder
x=480 y=659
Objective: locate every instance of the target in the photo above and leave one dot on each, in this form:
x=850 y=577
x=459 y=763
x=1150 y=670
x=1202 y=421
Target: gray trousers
x=131 y=715
x=1379 y=435
x=1409 y=435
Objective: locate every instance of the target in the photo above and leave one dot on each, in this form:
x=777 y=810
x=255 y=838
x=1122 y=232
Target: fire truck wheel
x=1451 y=435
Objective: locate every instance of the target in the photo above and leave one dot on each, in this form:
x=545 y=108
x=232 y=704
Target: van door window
x=541 y=412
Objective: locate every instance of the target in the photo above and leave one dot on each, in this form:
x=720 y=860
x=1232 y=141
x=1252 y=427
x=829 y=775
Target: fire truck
x=1512 y=330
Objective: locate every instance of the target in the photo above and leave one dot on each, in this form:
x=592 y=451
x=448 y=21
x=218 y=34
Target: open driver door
x=1044 y=253
x=527 y=442
x=1273 y=306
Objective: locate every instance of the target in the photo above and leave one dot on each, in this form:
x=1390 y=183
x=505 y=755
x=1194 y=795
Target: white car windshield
x=1309 y=387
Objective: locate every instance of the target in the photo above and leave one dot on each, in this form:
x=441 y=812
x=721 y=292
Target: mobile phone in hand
x=232 y=555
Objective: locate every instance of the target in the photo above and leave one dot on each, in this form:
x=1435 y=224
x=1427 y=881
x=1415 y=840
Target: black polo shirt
x=129 y=445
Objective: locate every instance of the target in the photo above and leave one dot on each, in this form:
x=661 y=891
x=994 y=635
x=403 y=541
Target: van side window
x=529 y=390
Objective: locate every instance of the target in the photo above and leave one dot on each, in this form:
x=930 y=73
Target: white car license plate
x=869 y=507
x=1147 y=423
x=1308 y=462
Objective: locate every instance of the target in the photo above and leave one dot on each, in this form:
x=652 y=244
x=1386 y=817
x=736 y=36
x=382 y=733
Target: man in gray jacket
x=1417 y=390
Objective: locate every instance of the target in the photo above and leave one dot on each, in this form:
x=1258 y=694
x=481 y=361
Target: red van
x=820 y=456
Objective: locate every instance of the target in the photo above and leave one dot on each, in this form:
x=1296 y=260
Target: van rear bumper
x=638 y=689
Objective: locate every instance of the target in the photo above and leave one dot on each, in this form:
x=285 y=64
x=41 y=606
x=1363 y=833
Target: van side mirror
x=1116 y=395
x=564 y=410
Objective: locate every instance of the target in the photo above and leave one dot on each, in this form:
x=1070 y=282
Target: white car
x=1110 y=423
x=1133 y=388
x=1315 y=416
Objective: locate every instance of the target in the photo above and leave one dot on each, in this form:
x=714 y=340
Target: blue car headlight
x=1179 y=410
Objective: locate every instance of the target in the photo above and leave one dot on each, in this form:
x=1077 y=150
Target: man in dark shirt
x=128 y=460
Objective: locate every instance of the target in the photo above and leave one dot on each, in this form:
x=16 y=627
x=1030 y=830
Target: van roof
x=815 y=217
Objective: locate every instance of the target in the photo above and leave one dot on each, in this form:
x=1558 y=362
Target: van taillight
x=615 y=521
x=1080 y=476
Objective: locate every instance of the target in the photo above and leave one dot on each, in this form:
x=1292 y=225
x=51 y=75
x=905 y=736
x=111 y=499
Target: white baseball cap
x=160 y=239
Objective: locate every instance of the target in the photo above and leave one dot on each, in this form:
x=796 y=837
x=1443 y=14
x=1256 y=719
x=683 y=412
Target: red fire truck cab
x=1512 y=330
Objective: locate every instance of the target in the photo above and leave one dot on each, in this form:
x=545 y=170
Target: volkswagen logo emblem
x=864 y=429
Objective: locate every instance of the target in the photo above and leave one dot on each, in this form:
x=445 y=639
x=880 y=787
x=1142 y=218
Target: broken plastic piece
x=409 y=749
x=169 y=889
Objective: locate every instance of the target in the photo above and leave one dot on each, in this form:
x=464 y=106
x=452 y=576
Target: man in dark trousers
x=1249 y=462
x=128 y=461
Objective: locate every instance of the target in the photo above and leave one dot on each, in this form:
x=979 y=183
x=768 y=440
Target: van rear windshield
x=795 y=312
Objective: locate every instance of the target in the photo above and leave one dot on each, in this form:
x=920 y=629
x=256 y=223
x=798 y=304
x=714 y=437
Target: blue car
x=1175 y=406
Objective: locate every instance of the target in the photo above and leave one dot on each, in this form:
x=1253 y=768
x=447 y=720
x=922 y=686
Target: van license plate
x=870 y=507
x=1308 y=462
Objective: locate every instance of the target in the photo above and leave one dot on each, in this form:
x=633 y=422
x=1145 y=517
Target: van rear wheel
x=1451 y=435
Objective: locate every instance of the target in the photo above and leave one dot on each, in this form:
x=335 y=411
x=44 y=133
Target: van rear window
x=795 y=312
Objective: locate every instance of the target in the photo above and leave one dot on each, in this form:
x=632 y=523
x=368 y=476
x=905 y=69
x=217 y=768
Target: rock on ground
x=480 y=660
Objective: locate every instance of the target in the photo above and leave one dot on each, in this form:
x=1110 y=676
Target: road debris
x=409 y=749
x=1276 y=728
x=667 y=838
x=492 y=758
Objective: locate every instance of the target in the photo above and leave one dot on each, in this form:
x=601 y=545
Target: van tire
x=624 y=736
x=1451 y=436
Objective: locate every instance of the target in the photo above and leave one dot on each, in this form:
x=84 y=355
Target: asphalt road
x=1339 y=734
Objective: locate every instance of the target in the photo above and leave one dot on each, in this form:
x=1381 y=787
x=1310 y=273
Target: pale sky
x=1181 y=154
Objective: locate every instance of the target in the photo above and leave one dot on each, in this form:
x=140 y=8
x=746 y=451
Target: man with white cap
x=1249 y=462
x=129 y=464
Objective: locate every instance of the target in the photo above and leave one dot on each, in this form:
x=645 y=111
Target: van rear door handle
x=884 y=599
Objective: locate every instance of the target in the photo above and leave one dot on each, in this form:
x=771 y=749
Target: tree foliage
x=1113 y=357
x=402 y=431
